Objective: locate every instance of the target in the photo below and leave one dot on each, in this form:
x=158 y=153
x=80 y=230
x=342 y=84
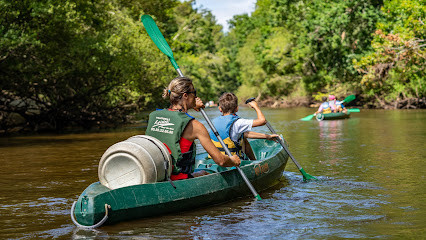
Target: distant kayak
x=332 y=116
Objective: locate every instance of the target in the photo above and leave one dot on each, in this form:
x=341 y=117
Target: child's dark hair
x=324 y=99
x=228 y=102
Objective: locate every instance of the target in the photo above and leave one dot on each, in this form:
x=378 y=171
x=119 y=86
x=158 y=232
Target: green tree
x=395 y=68
x=74 y=63
x=197 y=47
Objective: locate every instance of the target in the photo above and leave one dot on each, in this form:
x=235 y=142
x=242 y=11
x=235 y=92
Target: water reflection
x=330 y=135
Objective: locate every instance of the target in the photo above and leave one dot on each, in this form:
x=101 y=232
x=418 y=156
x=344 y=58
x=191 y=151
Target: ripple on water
x=375 y=164
x=317 y=209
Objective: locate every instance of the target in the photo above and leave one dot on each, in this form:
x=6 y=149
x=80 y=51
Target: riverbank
x=377 y=103
x=14 y=124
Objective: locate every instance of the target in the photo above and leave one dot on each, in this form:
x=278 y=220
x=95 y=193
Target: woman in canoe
x=178 y=130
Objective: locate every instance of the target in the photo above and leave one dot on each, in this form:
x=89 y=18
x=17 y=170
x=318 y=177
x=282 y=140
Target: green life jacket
x=167 y=126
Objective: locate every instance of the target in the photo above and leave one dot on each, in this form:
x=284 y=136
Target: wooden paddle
x=306 y=176
x=162 y=44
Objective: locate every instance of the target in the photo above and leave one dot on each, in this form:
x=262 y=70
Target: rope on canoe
x=93 y=226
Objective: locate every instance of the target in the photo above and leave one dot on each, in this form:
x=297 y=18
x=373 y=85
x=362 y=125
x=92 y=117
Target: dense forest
x=77 y=63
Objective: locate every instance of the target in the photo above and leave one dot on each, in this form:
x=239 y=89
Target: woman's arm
x=200 y=132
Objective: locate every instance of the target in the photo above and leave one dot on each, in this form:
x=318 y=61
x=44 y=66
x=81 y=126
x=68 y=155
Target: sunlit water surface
x=371 y=170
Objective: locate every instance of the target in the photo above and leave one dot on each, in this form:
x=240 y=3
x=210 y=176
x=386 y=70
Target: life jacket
x=326 y=107
x=168 y=126
x=223 y=125
x=340 y=103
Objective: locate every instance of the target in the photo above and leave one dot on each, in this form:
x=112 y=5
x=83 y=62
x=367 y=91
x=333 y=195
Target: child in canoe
x=332 y=102
x=325 y=107
x=234 y=130
x=340 y=107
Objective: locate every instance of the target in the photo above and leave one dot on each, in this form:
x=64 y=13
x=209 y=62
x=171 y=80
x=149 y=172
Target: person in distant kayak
x=234 y=130
x=332 y=102
x=340 y=107
x=178 y=130
x=325 y=107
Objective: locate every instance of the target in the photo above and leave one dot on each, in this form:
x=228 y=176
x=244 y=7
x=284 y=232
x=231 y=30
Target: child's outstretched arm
x=257 y=135
x=261 y=120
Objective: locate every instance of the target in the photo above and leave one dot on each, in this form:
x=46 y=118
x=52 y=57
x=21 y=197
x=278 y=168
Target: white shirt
x=240 y=126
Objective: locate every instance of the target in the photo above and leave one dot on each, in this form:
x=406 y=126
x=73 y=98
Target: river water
x=371 y=171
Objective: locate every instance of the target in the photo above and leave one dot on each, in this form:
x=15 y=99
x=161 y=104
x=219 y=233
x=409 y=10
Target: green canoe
x=332 y=116
x=99 y=204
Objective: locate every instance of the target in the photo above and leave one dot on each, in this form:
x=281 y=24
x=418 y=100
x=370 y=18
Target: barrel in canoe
x=100 y=204
x=332 y=116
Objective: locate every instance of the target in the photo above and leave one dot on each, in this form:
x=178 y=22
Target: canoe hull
x=159 y=198
x=332 y=116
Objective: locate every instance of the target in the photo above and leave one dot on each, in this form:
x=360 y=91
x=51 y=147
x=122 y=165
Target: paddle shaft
x=306 y=176
x=279 y=139
x=284 y=146
x=159 y=40
x=249 y=185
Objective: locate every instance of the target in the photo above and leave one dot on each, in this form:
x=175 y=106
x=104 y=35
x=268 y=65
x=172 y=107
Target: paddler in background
x=340 y=106
x=178 y=130
x=325 y=107
x=332 y=102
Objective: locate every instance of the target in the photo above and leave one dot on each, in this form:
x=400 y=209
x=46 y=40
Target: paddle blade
x=353 y=110
x=307 y=118
x=158 y=38
x=307 y=177
x=349 y=98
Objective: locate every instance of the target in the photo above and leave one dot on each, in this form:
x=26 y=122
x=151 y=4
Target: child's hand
x=253 y=104
x=274 y=137
x=198 y=104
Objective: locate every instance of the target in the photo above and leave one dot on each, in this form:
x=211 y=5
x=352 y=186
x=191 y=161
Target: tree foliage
x=90 y=63
x=395 y=68
x=322 y=38
x=367 y=47
x=77 y=63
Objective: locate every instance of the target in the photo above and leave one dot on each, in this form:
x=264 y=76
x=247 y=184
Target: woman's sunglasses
x=194 y=92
